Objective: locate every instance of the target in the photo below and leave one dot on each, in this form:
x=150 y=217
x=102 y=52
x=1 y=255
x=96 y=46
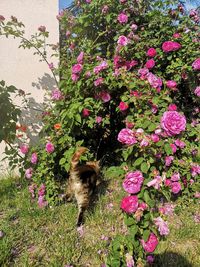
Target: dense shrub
x=128 y=89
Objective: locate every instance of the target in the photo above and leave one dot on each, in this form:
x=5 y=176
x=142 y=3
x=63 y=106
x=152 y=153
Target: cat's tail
x=76 y=157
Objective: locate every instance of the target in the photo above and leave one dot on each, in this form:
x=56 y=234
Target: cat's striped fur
x=82 y=182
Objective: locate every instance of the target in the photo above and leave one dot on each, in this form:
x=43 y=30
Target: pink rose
x=41 y=202
x=154 y=81
x=41 y=190
x=180 y=143
x=123 y=40
x=105 y=9
x=24 y=149
x=74 y=77
x=42 y=29
x=56 y=94
x=122 y=18
x=177 y=35
x=133 y=182
x=80 y=58
x=151 y=244
x=168 y=182
x=49 y=147
x=129 y=204
x=162 y=226
x=151 y=52
x=34 y=158
x=98 y=81
x=168 y=160
x=127 y=137
x=123 y=106
x=29 y=173
x=155 y=138
x=169 y=46
x=86 y=112
x=197 y=91
x=156 y=182
x=172 y=107
x=144 y=142
x=150 y=64
x=173 y=147
x=175 y=177
x=143 y=73
x=105 y=96
x=98 y=119
x=134 y=27
x=196 y=64
x=77 y=68
x=195 y=170
x=171 y=84
x=173 y=122
x=150 y=259
x=176 y=187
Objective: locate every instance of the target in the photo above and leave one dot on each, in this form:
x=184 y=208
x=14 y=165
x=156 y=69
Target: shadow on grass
x=171 y=259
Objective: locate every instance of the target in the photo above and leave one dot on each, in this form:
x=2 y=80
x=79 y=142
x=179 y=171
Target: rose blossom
x=176 y=187
x=98 y=119
x=41 y=202
x=144 y=142
x=129 y=260
x=80 y=58
x=105 y=9
x=172 y=107
x=77 y=68
x=133 y=182
x=150 y=64
x=86 y=112
x=151 y=244
x=171 y=84
x=74 y=77
x=127 y=137
x=175 y=177
x=156 y=182
x=105 y=96
x=180 y=143
x=49 y=147
x=196 y=64
x=177 y=35
x=34 y=158
x=197 y=91
x=129 y=204
x=134 y=27
x=155 y=138
x=169 y=46
x=56 y=94
x=168 y=160
x=173 y=147
x=29 y=173
x=143 y=73
x=122 y=18
x=151 y=52
x=195 y=170
x=168 y=182
x=42 y=29
x=123 y=106
x=173 y=122
x=154 y=81
x=24 y=149
x=150 y=259
x=167 y=209
x=98 y=81
x=123 y=40
x=162 y=226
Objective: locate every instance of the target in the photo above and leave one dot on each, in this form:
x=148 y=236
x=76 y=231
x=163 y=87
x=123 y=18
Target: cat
x=83 y=180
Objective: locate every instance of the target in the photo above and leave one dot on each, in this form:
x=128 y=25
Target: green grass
x=48 y=237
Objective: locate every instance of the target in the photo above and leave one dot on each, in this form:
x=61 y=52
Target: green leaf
x=168 y=149
x=138 y=161
x=146 y=234
x=144 y=167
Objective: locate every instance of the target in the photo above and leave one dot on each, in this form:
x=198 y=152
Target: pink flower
x=123 y=106
x=122 y=1
x=41 y=202
x=169 y=46
x=171 y=84
x=197 y=194
x=34 y=158
x=155 y=138
x=98 y=119
x=68 y=33
x=56 y=94
x=167 y=209
x=134 y=27
x=41 y=190
x=129 y=260
x=49 y=147
x=98 y=81
x=154 y=81
x=24 y=149
x=133 y=182
x=150 y=64
x=129 y=204
x=88 y=74
x=144 y=142
x=77 y=68
x=123 y=40
x=175 y=177
x=42 y=29
x=2 y=18
x=173 y=147
x=162 y=226
x=143 y=73
x=127 y=137
x=51 y=66
x=173 y=122
x=122 y=18
x=102 y=66
x=177 y=35
x=105 y=9
x=29 y=173
x=88 y=1
x=151 y=52
x=105 y=96
x=168 y=182
x=150 y=259
x=176 y=187
x=180 y=143
x=156 y=182
x=80 y=58
x=195 y=170
x=129 y=124
x=168 y=160
x=151 y=244
x=197 y=91
x=86 y=112
x=196 y=64
x=74 y=77
x=172 y=107
x=31 y=189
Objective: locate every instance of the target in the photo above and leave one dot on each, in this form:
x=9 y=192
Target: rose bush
x=129 y=88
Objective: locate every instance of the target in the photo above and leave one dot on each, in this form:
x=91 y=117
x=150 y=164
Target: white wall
x=20 y=67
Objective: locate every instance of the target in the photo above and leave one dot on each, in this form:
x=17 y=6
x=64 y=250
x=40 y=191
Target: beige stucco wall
x=20 y=67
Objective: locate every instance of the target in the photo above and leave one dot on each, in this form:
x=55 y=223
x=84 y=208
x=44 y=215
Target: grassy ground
x=34 y=237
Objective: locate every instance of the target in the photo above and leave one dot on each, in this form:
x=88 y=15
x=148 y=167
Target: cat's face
x=95 y=165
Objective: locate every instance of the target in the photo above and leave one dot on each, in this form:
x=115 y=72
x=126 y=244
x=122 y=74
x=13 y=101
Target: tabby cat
x=82 y=182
